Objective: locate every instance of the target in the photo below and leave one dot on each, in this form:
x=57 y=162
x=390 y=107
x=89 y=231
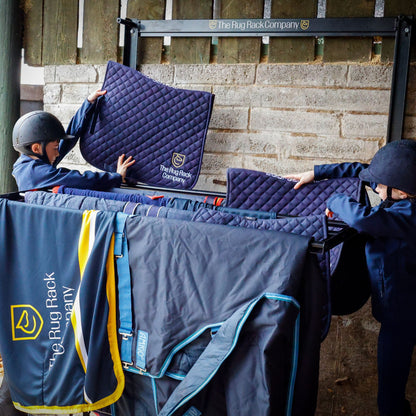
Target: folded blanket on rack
x=175 y=202
x=117 y=196
x=73 y=201
x=312 y=225
x=104 y=204
x=160 y=193
x=163 y=128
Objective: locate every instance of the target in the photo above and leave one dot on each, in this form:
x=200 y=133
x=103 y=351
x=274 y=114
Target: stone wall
x=281 y=118
x=269 y=117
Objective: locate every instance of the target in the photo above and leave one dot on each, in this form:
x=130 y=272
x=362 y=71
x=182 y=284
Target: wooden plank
x=191 y=50
x=292 y=49
x=32 y=32
x=350 y=49
x=393 y=8
x=150 y=49
x=240 y=50
x=100 y=34
x=60 y=32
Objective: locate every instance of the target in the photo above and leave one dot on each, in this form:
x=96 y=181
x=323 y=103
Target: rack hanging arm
x=129 y=23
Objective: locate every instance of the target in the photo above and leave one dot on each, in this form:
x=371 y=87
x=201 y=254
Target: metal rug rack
x=317 y=247
x=400 y=28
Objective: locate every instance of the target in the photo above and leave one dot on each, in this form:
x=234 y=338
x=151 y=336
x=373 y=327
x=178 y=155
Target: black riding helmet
x=394 y=165
x=37 y=127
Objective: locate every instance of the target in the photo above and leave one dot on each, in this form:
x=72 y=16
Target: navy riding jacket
x=391 y=249
x=35 y=173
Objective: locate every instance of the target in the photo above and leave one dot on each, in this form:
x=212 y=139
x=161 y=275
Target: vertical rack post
x=131 y=41
x=399 y=78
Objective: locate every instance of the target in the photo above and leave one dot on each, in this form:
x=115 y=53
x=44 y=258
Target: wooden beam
x=100 y=34
x=393 y=9
x=60 y=32
x=292 y=49
x=32 y=33
x=191 y=50
x=240 y=50
x=150 y=49
x=348 y=49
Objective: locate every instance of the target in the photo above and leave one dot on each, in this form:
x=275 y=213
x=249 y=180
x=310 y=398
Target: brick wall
x=271 y=117
x=281 y=118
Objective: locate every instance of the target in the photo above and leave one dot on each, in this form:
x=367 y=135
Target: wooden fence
x=51 y=31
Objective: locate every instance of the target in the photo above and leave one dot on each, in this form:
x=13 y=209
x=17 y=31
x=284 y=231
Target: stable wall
x=276 y=118
x=281 y=118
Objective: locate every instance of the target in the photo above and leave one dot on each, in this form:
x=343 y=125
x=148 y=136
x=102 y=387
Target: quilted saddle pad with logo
x=161 y=127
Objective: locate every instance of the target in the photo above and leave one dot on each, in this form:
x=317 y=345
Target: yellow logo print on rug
x=26 y=322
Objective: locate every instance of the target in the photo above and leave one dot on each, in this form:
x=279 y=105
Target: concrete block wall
x=281 y=118
x=270 y=117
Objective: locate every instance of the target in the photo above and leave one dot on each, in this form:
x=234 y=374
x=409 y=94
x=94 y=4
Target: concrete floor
x=348 y=368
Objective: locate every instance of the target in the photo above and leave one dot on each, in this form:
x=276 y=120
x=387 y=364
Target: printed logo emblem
x=304 y=24
x=178 y=160
x=212 y=24
x=26 y=322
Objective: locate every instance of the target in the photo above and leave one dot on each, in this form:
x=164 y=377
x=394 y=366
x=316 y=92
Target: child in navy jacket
x=42 y=142
x=391 y=257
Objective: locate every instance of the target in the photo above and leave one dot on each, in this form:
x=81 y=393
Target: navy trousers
x=396 y=342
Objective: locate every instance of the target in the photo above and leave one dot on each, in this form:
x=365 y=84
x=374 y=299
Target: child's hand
x=123 y=165
x=302 y=178
x=94 y=95
x=329 y=213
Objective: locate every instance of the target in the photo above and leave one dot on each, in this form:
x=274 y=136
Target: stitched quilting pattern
x=163 y=128
x=311 y=226
x=255 y=190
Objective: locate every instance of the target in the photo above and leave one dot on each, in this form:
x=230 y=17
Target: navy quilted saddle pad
x=248 y=189
x=163 y=128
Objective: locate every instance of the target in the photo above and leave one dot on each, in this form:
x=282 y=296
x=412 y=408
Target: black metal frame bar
x=360 y=26
x=399 y=27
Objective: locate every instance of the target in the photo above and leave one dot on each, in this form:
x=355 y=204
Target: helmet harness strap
x=389 y=200
x=389 y=192
x=43 y=156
